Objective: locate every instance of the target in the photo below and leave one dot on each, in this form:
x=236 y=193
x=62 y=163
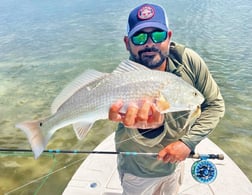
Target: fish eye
x=195 y=94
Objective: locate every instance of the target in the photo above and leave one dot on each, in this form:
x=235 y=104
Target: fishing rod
x=202 y=170
x=58 y=151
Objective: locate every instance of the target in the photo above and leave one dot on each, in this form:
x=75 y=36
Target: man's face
x=150 y=54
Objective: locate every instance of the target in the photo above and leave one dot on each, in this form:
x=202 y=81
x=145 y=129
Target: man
x=149 y=43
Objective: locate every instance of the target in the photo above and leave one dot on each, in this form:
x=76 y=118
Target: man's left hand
x=174 y=152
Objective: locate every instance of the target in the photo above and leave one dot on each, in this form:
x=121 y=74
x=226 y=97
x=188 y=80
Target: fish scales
x=113 y=88
x=91 y=100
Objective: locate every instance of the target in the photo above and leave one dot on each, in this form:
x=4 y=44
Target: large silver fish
x=89 y=97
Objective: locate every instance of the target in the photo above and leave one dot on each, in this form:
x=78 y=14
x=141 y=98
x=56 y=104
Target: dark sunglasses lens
x=140 y=39
x=158 y=36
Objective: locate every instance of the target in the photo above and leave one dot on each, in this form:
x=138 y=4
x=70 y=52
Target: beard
x=150 y=61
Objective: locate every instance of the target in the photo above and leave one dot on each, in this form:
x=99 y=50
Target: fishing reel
x=203 y=170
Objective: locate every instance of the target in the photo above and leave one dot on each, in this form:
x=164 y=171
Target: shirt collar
x=174 y=66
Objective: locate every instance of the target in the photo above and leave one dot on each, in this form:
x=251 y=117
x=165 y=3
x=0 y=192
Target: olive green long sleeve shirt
x=194 y=70
x=187 y=64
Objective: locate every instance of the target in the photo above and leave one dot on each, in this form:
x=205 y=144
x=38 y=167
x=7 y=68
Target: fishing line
x=47 y=175
x=51 y=172
x=35 y=180
x=136 y=136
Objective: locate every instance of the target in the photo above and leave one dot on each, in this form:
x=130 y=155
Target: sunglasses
x=141 y=38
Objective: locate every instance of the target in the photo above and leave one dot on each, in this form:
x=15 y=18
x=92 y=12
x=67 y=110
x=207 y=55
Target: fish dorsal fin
x=129 y=65
x=84 y=79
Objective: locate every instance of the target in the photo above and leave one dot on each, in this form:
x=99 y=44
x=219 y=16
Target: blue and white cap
x=147 y=15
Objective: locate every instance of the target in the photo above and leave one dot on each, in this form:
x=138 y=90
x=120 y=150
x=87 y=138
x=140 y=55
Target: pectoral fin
x=194 y=114
x=162 y=104
x=81 y=129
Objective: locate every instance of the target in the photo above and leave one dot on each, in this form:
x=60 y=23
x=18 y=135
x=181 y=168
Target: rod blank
x=58 y=151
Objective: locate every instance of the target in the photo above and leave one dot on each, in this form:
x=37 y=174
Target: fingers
x=174 y=152
x=148 y=116
x=156 y=116
x=141 y=115
x=114 y=114
x=144 y=111
x=131 y=115
x=164 y=155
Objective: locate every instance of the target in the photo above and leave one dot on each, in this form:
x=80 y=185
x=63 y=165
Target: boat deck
x=98 y=174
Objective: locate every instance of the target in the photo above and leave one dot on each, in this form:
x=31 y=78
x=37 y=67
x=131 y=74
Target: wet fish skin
x=89 y=97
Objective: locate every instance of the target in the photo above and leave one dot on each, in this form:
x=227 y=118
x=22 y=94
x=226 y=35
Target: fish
x=88 y=99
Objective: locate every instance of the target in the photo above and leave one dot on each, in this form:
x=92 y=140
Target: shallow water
x=45 y=44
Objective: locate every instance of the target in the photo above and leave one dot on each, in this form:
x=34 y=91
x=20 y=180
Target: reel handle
x=206 y=156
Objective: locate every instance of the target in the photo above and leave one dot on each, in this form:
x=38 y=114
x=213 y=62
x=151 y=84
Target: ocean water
x=46 y=44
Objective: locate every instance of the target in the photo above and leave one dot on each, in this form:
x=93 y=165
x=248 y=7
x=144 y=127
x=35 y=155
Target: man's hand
x=143 y=116
x=174 y=152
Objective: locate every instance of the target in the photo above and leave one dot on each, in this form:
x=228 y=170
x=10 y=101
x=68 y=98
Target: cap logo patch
x=145 y=12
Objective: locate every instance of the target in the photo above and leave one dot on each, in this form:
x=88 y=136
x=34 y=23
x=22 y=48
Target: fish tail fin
x=34 y=134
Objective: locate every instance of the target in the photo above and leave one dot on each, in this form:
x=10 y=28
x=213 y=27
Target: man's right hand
x=143 y=115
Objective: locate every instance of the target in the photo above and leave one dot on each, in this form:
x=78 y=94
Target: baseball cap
x=147 y=15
